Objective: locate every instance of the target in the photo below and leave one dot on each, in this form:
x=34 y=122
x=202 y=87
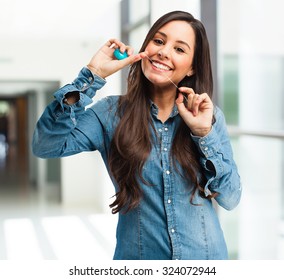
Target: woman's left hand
x=197 y=112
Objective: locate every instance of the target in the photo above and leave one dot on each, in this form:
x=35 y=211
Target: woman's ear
x=190 y=72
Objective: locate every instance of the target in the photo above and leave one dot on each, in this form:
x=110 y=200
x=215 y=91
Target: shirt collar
x=155 y=110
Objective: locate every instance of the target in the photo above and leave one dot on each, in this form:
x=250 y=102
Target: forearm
x=216 y=158
x=57 y=125
x=51 y=131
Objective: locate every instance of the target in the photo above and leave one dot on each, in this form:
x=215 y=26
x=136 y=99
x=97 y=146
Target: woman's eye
x=180 y=50
x=158 y=41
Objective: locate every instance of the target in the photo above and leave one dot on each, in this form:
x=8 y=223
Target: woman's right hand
x=104 y=63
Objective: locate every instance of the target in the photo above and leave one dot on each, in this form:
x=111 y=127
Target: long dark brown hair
x=132 y=141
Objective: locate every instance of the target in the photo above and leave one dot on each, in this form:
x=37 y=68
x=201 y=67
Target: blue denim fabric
x=165 y=225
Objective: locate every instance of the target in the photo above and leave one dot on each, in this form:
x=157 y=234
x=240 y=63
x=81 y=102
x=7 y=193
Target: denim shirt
x=165 y=225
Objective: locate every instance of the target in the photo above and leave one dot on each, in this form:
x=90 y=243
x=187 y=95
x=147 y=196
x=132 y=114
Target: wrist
x=202 y=132
x=95 y=71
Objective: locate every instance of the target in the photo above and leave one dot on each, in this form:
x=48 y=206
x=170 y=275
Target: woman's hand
x=104 y=63
x=197 y=112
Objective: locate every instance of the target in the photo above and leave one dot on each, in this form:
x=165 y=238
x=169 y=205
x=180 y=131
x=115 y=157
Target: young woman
x=164 y=143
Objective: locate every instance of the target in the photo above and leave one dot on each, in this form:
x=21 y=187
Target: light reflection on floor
x=35 y=226
x=78 y=236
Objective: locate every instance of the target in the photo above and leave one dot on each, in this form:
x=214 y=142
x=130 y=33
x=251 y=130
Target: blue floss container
x=120 y=55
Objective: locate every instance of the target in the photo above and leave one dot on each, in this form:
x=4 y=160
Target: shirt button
x=166 y=129
x=165 y=149
x=90 y=79
x=169 y=201
x=206 y=148
x=168 y=172
x=173 y=230
x=160 y=130
x=202 y=142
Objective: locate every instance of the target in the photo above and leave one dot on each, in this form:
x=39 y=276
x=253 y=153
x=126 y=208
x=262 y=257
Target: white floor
x=35 y=228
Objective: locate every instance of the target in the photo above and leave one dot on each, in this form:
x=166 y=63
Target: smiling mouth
x=160 y=66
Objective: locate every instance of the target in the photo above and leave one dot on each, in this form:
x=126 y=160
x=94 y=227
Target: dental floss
x=163 y=73
x=169 y=79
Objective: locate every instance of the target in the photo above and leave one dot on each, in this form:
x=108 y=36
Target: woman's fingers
x=116 y=44
x=131 y=57
x=192 y=99
x=196 y=110
x=105 y=63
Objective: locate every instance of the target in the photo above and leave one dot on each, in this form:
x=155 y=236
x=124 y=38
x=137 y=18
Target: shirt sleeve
x=63 y=129
x=216 y=157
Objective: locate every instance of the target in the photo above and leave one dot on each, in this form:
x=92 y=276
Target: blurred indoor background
x=58 y=208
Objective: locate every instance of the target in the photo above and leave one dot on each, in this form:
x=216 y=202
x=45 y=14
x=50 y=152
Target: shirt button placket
x=169 y=205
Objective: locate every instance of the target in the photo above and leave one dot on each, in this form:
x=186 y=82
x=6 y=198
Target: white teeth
x=160 y=66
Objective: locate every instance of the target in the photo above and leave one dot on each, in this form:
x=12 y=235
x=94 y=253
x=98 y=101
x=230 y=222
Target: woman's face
x=171 y=52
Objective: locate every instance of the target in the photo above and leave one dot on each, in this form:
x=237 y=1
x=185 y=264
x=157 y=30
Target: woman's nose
x=163 y=53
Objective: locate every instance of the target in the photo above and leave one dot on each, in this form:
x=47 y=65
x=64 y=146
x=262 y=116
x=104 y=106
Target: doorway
x=21 y=174
x=14 y=168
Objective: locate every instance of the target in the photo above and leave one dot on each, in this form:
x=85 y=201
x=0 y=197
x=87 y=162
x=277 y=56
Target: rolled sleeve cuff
x=209 y=148
x=207 y=145
x=86 y=84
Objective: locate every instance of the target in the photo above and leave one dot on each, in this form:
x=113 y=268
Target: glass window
x=136 y=36
x=252 y=87
x=230 y=86
x=138 y=10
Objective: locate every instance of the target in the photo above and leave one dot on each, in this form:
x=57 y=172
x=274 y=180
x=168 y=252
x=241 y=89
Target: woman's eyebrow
x=178 y=41
x=184 y=43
